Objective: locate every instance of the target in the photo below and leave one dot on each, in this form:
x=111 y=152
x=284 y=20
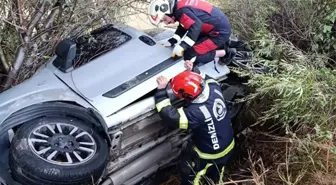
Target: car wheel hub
x=62 y=144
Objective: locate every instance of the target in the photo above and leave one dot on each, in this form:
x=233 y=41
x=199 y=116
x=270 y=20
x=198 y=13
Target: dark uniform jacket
x=198 y=18
x=206 y=116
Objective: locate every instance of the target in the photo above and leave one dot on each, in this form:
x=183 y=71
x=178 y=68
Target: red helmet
x=187 y=85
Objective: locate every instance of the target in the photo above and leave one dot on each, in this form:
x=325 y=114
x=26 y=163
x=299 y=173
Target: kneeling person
x=206 y=28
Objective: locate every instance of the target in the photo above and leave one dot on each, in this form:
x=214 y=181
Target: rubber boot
x=228 y=57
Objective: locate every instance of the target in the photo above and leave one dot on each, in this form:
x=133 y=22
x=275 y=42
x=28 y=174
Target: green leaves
x=332 y=16
x=302 y=93
x=333 y=151
x=327 y=28
x=323 y=36
x=323 y=133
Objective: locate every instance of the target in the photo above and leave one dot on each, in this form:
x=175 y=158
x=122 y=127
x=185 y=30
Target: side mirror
x=66 y=53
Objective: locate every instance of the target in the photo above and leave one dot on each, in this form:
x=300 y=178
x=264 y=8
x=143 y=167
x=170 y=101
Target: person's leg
x=216 y=172
x=228 y=57
x=198 y=171
x=225 y=54
x=208 y=48
x=199 y=177
x=187 y=171
x=220 y=53
x=187 y=164
x=204 y=50
x=193 y=170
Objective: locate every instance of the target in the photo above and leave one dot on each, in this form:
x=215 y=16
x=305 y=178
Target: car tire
x=57 y=150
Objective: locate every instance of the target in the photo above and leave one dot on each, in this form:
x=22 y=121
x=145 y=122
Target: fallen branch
x=238 y=181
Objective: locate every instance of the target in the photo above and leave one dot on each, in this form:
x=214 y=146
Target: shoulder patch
x=219 y=109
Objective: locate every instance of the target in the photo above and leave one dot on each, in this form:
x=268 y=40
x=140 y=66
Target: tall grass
x=297 y=99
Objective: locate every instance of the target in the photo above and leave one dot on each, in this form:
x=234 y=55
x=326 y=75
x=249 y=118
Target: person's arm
x=177 y=118
x=179 y=33
x=190 y=22
x=207 y=78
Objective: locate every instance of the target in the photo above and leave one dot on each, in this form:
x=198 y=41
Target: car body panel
x=117 y=66
x=132 y=111
x=123 y=65
x=130 y=130
x=79 y=85
x=42 y=87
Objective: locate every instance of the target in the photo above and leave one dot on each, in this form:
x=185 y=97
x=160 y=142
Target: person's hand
x=178 y=50
x=162 y=82
x=188 y=65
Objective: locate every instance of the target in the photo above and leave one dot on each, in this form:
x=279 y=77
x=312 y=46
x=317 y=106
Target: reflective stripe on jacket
x=199 y=18
x=206 y=117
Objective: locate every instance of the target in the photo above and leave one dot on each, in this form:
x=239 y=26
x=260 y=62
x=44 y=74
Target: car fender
x=42 y=91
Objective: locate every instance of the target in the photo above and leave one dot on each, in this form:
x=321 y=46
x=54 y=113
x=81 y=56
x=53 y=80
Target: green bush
x=297 y=40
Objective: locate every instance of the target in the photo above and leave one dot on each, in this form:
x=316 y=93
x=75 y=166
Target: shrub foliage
x=296 y=39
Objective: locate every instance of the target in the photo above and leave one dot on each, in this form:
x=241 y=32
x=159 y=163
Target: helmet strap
x=172 y=7
x=187 y=97
x=202 y=85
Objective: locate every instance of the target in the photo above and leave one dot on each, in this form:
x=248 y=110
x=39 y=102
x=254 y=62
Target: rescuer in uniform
x=206 y=28
x=205 y=114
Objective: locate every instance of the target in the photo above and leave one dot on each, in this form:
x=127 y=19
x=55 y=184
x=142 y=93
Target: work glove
x=178 y=51
x=169 y=43
x=166 y=44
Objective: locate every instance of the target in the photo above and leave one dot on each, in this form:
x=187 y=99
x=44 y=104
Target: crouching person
x=205 y=114
x=205 y=29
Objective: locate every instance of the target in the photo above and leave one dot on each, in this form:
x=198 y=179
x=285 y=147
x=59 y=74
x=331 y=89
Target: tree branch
x=20 y=54
x=3 y=58
x=16 y=16
x=38 y=14
x=16 y=26
x=17 y=64
x=72 y=11
x=43 y=33
x=19 y=12
x=49 y=21
x=51 y=16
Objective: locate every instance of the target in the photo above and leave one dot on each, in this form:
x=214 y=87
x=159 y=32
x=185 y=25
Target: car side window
x=98 y=42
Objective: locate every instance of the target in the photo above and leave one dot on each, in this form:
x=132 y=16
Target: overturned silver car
x=88 y=117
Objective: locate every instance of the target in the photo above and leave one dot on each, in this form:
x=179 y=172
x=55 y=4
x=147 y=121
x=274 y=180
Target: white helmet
x=158 y=8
